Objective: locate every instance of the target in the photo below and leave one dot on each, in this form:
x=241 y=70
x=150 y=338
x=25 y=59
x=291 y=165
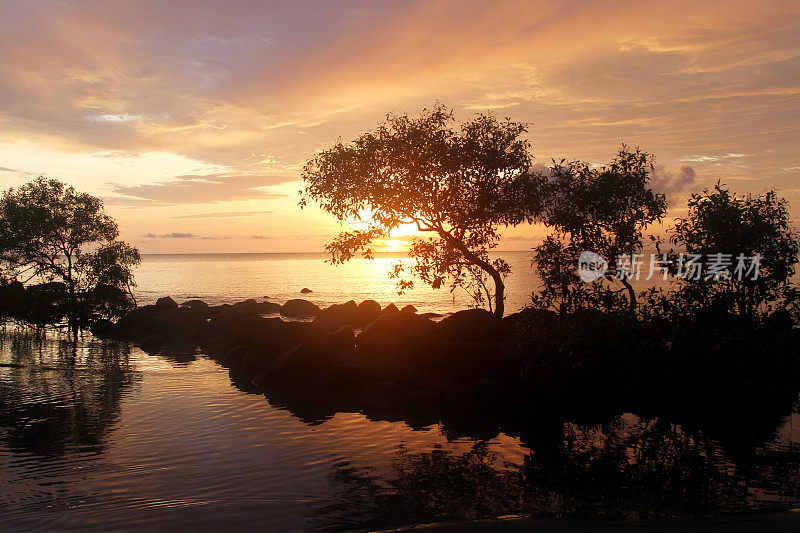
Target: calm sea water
x=101 y=435
x=227 y=278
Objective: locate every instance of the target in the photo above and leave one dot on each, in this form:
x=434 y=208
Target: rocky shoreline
x=393 y=363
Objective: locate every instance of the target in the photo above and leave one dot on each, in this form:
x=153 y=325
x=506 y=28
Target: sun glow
x=392 y=245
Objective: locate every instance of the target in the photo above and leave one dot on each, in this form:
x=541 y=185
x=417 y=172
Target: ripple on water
x=111 y=437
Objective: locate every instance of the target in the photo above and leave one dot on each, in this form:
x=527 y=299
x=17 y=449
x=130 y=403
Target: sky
x=192 y=119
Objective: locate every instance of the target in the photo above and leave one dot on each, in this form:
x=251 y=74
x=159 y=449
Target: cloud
x=176 y=235
x=224 y=214
x=6 y=169
x=261 y=237
x=204 y=189
x=673 y=184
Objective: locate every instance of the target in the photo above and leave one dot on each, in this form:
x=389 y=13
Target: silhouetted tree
x=458 y=183
x=604 y=210
x=50 y=232
x=743 y=251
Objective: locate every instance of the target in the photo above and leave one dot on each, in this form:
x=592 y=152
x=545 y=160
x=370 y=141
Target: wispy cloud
x=205 y=188
x=176 y=235
x=224 y=214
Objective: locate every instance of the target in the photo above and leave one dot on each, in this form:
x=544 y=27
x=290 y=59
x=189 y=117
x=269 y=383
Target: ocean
x=228 y=278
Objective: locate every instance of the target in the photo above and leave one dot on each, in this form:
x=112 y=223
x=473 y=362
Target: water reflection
x=57 y=395
x=629 y=468
x=197 y=443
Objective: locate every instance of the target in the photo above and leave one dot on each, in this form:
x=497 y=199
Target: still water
x=228 y=278
x=100 y=434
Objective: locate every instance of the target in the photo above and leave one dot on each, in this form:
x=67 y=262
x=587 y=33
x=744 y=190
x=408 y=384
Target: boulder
x=479 y=396
x=105 y=329
x=198 y=306
x=344 y=337
x=358 y=369
x=408 y=309
x=472 y=325
x=305 y=290
x=165 y=302
x=298 y=366
x=179 y=323
x=383 y=395
x=239 y=329
x=381 y=342
x=137 y=324
x=367 y=311
x=462 y=362
x=12 y=300
x=299 y=308
x=337 y=315
x=397 y=324
x=390 y=310
x=268 y=308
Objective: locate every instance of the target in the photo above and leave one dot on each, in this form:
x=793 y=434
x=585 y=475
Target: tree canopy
x=52 y=233
x=459 y=183
x=752 y=237
x=604 y=210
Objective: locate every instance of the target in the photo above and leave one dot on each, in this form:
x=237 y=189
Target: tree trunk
x=499 y=286
x=499 y=296
x=631 y=295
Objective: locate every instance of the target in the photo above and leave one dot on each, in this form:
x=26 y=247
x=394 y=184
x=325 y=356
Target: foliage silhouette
x=458 y=183
x=603 y=210
x=752 y=237
x=50 y=232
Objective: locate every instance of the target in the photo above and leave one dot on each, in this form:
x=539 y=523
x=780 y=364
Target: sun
x=392 y=245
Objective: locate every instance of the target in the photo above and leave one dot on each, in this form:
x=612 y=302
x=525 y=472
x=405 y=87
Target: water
x=99 y=434
x=102 y=435
x=228 y=278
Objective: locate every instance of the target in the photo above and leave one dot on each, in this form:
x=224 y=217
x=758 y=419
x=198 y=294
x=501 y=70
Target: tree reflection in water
x=59 y=396
x=628 y=468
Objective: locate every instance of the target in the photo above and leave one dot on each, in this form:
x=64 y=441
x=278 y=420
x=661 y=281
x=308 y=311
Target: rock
x=105 y=329
x=344 y=337
x=383 y=395
x=529 y=316
x=357 y=370
x=198 y=306
x=240 y=329
x=12 y=300
x=381 y=342
x=217 y=309
x=178 y=323
x=337 y=315
x=299 y=308
x=299 y=365
x=367 y=311
x=165 y=302
x=390 y=309
x=461 y=362
x=305 y=290
x=137 y=324
x=408 y=309
x=151 y=344
x=479 y=396
x=472 y=325
x=396 y=323
x=268 y=308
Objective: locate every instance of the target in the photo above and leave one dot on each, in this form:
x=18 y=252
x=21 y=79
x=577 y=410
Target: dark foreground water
x=102 y=435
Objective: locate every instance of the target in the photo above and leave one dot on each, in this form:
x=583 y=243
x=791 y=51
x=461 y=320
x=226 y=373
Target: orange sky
x=192 y=119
